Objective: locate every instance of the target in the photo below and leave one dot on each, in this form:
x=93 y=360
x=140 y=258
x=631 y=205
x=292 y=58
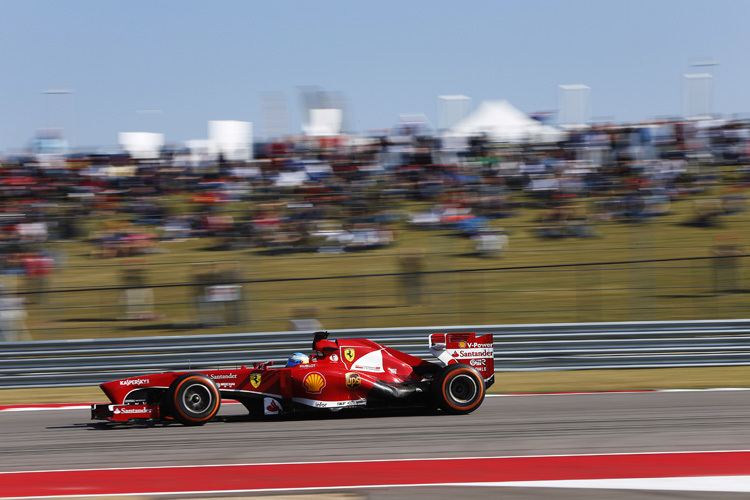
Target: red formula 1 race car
x=346 y=373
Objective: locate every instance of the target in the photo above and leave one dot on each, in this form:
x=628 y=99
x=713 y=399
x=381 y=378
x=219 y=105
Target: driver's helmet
x=298 y=358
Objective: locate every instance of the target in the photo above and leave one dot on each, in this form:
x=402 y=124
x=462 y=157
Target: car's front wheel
x=193 y=399
x=458 y=389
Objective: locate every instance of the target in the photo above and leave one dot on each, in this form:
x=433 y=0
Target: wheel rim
x=197 y=398
x=463 y=388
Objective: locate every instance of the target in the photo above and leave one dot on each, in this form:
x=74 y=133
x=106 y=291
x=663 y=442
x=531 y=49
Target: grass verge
x=541 y=280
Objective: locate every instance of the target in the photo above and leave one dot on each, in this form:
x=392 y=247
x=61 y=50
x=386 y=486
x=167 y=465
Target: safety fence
x=215 y=300
x=535 y=347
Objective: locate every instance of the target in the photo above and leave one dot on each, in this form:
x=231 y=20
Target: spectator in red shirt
x=37 y=269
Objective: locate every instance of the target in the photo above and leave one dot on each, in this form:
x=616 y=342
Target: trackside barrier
x=536 y=347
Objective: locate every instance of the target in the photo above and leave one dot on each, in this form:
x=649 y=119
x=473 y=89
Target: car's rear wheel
x=193 y=399
x=458 y=389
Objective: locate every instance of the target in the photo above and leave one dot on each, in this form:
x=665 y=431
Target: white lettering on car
x=471 y=353
x=134 y=381
x=126 y=411
x=474 y=345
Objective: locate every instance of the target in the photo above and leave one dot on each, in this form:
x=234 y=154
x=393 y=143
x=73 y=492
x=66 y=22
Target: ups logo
x=353 y=380
x=349 y=354
x=255 y=380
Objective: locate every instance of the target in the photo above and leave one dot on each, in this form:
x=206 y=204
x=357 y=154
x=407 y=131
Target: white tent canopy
x=501 y=121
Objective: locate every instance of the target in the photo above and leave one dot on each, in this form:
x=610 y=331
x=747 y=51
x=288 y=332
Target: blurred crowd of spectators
x=347 y=194
x=342 y=194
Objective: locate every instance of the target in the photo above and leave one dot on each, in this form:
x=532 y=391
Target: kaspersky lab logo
x=134 y=381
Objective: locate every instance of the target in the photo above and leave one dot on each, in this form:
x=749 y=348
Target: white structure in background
x=501 y=121
x=452 y=109
x=324 y=113
x=142 y=145
x=231 y=138
x=574 y=104
x=324 y=122
x=200 y=153
x=698 y=95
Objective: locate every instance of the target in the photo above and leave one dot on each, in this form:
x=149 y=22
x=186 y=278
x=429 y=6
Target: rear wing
x=467 y=348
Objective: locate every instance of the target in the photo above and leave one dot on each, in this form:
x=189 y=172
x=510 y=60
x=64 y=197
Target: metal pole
x=49 y=93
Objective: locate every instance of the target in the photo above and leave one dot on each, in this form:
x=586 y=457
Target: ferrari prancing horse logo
x=255 y=380
x=349 y=354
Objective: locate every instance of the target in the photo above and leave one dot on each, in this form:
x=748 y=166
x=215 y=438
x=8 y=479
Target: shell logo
x=314 y=383
x=462 y=345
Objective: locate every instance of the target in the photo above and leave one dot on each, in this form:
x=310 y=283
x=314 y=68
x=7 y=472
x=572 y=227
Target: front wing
x=124 y=413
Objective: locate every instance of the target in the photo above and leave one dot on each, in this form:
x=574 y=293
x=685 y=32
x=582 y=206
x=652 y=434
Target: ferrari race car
x=345 y=373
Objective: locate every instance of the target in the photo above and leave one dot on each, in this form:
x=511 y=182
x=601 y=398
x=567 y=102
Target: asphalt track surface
x=503 y=426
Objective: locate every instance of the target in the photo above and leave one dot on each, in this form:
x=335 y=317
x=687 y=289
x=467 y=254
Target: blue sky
x=202 y=60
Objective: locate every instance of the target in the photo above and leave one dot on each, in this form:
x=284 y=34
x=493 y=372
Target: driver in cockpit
x=322 y=347
x=298 y=358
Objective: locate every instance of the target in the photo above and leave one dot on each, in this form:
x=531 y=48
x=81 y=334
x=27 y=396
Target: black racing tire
x=458 y=389
x=193 y=399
